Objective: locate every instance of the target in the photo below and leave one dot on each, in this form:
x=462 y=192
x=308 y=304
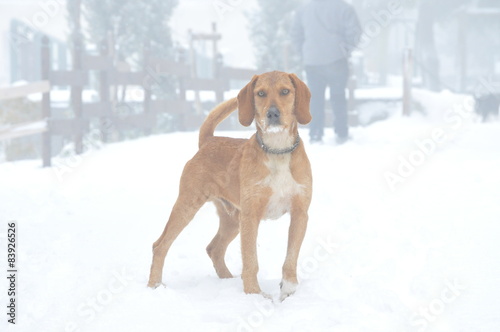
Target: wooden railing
x=111 y=75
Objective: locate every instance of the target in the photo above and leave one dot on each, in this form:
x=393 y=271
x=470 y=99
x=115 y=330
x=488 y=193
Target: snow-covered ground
x=403 y=236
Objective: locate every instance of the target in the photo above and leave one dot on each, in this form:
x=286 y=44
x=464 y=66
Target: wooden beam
x=24 y=90
x=135 y=121
x=407 y=80
x=129 y=78
x=231 y=73
x=206 y=36
x=206 y=84
x=170 y=106
x=69 y=77
x=104 y=90
x=96 y=62
x=165 y=66
x=97 y=109
x=23 y=129
x=46 y=111
x=68 y=127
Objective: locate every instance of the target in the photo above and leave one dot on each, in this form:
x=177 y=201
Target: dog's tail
x=216 y=116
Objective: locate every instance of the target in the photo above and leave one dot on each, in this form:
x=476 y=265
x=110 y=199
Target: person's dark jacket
x=325 y=31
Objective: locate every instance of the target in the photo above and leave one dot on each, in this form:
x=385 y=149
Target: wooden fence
x=28 y=128
x=109 y=75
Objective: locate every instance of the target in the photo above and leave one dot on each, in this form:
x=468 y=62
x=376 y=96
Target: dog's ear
x=302 y=99
x=246 y=107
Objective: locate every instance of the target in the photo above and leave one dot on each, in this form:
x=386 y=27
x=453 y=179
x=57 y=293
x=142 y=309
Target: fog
x=101 y=102
x=197 y=52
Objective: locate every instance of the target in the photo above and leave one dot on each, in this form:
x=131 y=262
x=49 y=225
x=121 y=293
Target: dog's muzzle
x=273 y=116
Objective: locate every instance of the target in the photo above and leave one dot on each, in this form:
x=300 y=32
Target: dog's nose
x=273 y=115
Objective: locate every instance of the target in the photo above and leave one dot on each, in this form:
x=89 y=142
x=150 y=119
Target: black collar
x=277 y=151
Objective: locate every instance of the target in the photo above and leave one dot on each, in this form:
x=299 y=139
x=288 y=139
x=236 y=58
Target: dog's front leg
x=252 y=211
x=296 y=232
x=249 y=225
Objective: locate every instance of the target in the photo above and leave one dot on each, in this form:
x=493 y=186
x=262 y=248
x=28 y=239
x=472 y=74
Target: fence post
x=182 y=59
x=194 y=72
x=46 y=136
x=146 y=52
x=462 y=51
x=76 y=98
x=407 y=80
x=104 y=92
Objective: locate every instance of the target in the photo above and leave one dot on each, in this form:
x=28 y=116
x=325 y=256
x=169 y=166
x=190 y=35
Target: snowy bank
x=418 y=254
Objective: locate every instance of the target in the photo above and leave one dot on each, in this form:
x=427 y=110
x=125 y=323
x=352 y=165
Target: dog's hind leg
x=228 y=229
x=182 y=213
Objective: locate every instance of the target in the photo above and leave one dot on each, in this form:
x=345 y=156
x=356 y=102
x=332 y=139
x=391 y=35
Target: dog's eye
x=284 y=92
x=261 y=93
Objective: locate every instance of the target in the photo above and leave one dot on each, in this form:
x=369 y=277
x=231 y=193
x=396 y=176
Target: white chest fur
x=282 y=184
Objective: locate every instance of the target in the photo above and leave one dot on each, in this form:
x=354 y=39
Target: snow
x=389 y=93
x=419 y=253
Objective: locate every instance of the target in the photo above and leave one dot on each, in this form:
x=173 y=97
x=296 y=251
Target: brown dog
x=263 y=177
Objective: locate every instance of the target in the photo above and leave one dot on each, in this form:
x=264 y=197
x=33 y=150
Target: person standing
x=325 y=32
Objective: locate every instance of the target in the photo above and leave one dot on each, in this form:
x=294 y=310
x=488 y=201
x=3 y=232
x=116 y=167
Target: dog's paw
x=156 y=285
x=267 y=296
x=287 y=289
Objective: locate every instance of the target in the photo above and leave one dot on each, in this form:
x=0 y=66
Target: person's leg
x=316 y=81
x=338 y=74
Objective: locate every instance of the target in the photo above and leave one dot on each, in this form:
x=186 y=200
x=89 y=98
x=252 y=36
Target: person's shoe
x=342 y=139
x=316 y=140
